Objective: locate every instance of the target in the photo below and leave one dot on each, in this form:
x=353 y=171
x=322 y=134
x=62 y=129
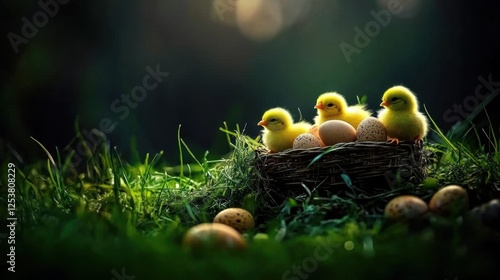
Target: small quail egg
x=305 y=141
x=371 y=129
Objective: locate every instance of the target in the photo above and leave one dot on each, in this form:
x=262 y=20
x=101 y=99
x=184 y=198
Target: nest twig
x=368 y=173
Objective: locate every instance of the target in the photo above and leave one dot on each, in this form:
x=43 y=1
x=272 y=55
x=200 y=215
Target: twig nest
x=306 y=140
x=452 y=199
x=336 y=131
x=237 y=218
x=404 y=208
x=214 y=234
x=371 y=129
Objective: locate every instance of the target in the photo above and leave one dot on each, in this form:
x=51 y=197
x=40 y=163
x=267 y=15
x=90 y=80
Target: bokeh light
x=259 y=19
x=410 y=8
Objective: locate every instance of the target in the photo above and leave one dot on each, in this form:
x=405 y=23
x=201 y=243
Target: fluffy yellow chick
x=333 y=106
x=400 y=115
x=279 y=129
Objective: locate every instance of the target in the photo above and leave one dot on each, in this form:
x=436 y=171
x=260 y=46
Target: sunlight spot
x=349 y=245
x=409 y=8
x=259 y=19
x=264 y=19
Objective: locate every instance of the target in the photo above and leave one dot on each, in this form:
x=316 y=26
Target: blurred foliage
x=89 y=54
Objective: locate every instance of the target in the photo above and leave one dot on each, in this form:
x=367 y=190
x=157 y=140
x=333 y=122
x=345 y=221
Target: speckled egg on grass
x=215 y=235
x=371 y=129
x=405 y=207
x=306 y=140
x=237 y=218
x=452 y=199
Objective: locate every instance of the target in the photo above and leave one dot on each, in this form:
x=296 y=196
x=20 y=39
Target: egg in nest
x=371 y=129
x=306 y=140
x=314 y=130
x=336 y=131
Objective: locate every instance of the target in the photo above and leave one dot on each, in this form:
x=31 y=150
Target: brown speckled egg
x=405 y=207
x=239 y=219
x=305 y=141
x=450 y=199
x=335 y=131
x=371 y=129
x=218 y=235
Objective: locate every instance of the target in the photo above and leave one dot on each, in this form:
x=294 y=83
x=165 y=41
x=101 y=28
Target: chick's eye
x=273 y=119
x=394 y=99
x=330 y=105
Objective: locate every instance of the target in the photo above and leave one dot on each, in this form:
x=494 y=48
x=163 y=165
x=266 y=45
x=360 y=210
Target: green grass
x=468 y=161
x=82 y=222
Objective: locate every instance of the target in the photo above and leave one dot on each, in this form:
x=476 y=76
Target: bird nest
x=366 y=173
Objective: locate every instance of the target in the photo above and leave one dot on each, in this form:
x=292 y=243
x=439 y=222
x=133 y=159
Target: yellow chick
x=279 y=129
x=333 y=106
x=400 y=115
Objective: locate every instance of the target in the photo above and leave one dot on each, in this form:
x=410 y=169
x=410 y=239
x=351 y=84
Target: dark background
x=88 y=54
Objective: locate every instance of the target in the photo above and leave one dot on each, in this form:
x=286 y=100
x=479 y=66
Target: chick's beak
x=262 y=123
x=319 y=106
x=385 y=103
